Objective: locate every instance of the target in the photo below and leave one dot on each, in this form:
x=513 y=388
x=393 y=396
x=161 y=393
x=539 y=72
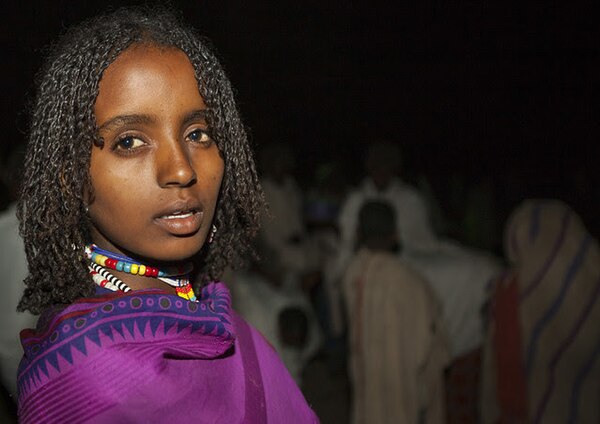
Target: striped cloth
x=556 y=266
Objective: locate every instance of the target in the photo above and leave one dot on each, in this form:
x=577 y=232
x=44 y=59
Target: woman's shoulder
x=169 y=341
x=68 y=335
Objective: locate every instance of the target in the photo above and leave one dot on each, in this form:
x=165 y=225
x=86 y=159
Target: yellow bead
x=142 y=270
x=102 y=259
x=134 y=268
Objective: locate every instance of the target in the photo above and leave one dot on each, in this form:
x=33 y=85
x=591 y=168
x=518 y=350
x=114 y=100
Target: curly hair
x=53 y=220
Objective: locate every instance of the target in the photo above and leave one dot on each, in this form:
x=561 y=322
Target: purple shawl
x=147 y=356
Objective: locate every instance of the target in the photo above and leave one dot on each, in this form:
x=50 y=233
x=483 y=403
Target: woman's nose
x=174 y=165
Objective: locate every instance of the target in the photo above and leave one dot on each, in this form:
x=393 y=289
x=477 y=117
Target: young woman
x=139 y=181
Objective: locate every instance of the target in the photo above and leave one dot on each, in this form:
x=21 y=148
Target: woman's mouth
x=178 y=215
x=181 y=223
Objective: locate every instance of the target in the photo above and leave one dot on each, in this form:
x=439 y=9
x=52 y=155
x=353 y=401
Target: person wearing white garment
x=398 y=346
x=282 y=226
x=382 y=183
x=457 y=275
x=276 y=283
x=13 y=267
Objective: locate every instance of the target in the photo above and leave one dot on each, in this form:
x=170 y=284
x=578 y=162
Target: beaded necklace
x=101 y=259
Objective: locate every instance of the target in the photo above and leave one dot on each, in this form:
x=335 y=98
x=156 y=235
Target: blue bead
x=161 y=274
x=94 y=256
x=119 y=266
x=127 y=267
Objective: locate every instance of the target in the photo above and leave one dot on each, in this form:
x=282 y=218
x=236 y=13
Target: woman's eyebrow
x=126 y=120
x=195 y=115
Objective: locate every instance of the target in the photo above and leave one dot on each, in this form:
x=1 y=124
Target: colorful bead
x=100 y=259
x=119 y=263
x=186 y=292
x=105 y=279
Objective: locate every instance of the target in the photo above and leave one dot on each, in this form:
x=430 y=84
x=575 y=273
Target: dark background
x=480 y=90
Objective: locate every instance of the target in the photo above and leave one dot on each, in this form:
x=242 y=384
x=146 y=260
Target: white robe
x=13 y=267
x=412 y=225
x=398 y=345
x=412 y=218
x=459 y=278
x=282 y=223
x=260 y=304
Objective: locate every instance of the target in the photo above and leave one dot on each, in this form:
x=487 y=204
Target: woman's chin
x=168 y=252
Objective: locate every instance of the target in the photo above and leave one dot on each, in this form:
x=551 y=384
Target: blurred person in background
x=286 y=269
x=283 y=230
x=382 y=183
x=259 y=297
x=398 y=348
x=541 y=357
x=324 y=199
x=13 y=266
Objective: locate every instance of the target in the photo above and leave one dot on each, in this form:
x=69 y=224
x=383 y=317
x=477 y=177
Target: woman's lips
x=181 y=223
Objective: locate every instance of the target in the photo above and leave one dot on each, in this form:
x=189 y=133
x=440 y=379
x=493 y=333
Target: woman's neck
x=137 y=282
x=136 y=275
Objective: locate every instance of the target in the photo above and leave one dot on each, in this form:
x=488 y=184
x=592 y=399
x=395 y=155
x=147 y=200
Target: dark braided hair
x=54 y=222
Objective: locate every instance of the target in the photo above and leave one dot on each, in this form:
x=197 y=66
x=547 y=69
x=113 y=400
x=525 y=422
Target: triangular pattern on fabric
x=130 y=326
x=196 y=326
x=155 y=324
x=108 y=332
x=117 y=329
x=52 y=359
x=183 y=326
x=42 y=366
x=94 y=336
x=36 y=375
x=65 y=353
x=79 y=344
x=139 y=327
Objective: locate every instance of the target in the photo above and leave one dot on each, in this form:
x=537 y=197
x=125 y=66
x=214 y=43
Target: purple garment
x=149 y=357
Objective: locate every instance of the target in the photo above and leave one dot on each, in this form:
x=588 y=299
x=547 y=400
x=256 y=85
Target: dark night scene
x=380 y=212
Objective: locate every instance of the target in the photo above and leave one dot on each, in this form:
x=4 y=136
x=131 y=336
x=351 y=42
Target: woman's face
x=156 y=179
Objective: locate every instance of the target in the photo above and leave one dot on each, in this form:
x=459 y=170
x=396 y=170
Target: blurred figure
x=282 y=226
x=13 y=267
x=397 y=344
x=459 y=276
x=542 y=353
x=412 y=227
x=322 y=209
x=287 y=266
x=283 y=315
x=382 y=164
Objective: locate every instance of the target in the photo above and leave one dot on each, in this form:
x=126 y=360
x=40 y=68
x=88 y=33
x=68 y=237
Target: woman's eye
x=128 y=143
x=198 y=136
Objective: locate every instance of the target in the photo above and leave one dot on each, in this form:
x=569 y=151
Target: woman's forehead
x=146 y=77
